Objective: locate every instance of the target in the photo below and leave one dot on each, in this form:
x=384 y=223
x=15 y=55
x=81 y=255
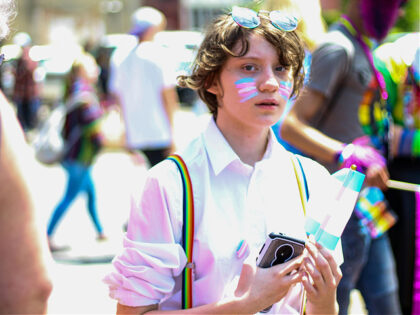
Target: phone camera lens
x=283 y=254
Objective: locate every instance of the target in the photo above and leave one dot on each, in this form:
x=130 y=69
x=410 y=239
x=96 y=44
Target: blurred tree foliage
x=409 y=22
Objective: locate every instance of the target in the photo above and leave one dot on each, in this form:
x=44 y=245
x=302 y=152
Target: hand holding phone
x=279 y=248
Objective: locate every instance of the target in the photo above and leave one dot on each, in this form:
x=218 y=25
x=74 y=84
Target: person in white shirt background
x=244 y=187
x=142 y=83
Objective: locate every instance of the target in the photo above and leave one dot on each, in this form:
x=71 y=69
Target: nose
x=268 y=82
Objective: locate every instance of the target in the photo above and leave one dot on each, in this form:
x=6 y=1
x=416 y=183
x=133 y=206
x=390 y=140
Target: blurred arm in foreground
x=24 y=283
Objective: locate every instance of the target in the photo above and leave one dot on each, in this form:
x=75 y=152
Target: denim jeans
x=79 y=180
x=369 y=267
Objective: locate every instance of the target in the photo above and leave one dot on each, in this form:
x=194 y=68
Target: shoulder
x=168 y=172
x=315 y=173
x=335 y=45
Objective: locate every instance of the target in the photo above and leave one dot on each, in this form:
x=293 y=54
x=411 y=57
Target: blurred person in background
x=82 y=133
x=26 y=90
x=311 y=29
x=398 y=61
x=25 y=285
x=144 y=86
x=340 y=119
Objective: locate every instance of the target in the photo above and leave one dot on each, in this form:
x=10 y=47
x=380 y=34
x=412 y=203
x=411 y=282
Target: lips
x=268 y=102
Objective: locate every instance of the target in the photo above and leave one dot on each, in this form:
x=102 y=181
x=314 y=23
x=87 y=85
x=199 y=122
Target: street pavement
x=77 y=273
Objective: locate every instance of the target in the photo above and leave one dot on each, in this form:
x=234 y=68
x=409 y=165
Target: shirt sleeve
x=328 y=68
x=144 y=273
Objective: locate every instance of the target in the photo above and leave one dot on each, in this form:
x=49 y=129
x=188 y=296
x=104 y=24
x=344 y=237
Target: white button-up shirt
x=234 y=202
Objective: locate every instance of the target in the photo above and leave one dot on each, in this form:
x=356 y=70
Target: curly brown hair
x=220 y=39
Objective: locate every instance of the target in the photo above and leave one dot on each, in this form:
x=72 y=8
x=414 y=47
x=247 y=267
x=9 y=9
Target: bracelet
x=341 y=155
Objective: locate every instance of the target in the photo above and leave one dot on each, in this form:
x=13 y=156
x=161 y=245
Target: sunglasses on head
x=248 y=18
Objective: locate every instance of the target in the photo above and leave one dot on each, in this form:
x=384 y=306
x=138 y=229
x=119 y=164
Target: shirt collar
x=218 y=149
x=220 y=152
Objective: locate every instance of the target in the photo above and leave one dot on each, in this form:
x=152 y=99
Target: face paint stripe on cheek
x=245 y=80
x=245 y=85
x=246 y=88
x=285 y=88
x=286 y=84
x=246 y=98
x=284 y=95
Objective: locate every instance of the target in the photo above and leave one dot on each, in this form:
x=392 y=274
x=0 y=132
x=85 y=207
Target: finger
x=308 y=285
x=336 y=271
x=321 y=272
x=289 y=266
x=318 y=281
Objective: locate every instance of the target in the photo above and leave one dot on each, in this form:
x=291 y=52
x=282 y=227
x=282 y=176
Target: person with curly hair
x=243 y=188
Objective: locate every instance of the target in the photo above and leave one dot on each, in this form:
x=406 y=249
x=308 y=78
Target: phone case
x=279 y=248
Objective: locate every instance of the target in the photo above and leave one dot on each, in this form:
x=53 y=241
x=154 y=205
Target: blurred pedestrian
x=26 y=90
x=399 y=62
x=244 y=186
x=82 y=133
x=311 y=29
x=144 y=86
x=25 y=285
x=340 y=119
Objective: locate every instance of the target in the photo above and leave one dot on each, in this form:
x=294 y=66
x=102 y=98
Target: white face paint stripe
x=247 y=89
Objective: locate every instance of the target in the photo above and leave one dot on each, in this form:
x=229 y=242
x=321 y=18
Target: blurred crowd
x=359 y=104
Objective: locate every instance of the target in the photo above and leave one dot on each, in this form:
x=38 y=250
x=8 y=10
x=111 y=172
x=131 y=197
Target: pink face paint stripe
x=286 y=89
x=245 y=85
x=246 y=94
x=247 y=89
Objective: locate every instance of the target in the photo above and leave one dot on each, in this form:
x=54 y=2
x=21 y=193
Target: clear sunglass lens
x=283 y=21
x=245 y=17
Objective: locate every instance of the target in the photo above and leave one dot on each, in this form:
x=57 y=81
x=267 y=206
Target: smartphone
x=279 y=248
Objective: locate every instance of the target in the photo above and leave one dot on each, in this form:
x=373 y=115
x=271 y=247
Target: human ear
x=213 y=85
x=213 y=88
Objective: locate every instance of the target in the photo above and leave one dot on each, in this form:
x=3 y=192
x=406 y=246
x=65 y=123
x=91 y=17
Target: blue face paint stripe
x=249 y=97
x=286 y=83
x=245 y=80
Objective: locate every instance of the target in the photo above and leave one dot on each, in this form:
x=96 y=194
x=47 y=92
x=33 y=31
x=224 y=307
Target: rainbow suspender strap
x=187 y=230
x=188 y=219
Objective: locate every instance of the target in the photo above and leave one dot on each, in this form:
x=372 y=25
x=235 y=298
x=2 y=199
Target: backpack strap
x=187 y=231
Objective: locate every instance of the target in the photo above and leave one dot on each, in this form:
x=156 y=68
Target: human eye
x=281 y=69
x=249 y=67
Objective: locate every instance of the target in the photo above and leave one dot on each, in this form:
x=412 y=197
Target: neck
x=249 y=145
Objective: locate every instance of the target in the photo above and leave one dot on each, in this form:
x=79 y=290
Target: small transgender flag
x=328 y=218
